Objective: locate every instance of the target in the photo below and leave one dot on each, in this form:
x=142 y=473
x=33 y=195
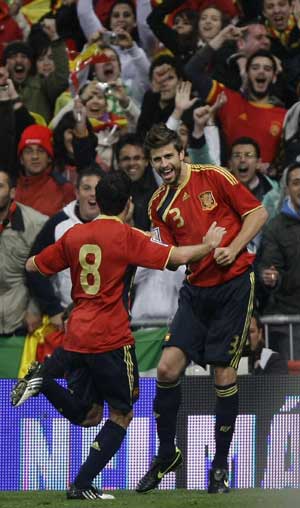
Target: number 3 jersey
x=185 y=213
x=99 y=254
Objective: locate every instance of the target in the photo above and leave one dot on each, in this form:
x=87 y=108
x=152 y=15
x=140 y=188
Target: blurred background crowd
x=81 y=83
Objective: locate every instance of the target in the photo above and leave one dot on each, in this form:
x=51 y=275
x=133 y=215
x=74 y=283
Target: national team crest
x=207 y=200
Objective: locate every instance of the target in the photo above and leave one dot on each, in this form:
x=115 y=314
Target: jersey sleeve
x=235 y=194
x=143 y=250
x=52 y=259
x=164 y=232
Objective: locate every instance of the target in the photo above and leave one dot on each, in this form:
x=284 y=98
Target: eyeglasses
x=247 y=155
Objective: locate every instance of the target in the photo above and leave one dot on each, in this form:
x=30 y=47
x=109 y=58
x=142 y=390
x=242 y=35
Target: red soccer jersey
x=183 y=215
x=240 y=117
x=98 y=254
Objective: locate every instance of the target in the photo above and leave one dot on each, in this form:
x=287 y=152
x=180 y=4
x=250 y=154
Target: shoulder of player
x=214 y=171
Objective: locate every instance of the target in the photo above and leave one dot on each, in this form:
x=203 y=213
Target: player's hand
x=224 y=256
x=214 y=235
x=57 y=321
x=270 y=276
x=32 y=321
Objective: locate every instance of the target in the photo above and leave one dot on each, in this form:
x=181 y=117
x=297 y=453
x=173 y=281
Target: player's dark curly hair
x=160 y=135
x=113 y=192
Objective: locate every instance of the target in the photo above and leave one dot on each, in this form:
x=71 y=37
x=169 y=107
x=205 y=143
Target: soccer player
x=98 y=338
x=215 y=302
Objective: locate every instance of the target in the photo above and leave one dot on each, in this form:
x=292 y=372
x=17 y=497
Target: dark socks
x=104 y=447
x=166 y=405
x=226 y=414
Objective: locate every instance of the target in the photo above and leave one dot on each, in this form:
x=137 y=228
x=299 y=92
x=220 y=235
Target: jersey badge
x=275 y=129
x=207 y=200
x=185 y=196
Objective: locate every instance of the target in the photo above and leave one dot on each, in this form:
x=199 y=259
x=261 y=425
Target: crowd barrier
x=39 y=449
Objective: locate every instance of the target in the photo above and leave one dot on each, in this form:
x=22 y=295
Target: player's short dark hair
x=244 y=140
x=261 y=52
x=128 y=139
x=113 y=192
x=290 y=168
x=92 y=170
x=160 y=135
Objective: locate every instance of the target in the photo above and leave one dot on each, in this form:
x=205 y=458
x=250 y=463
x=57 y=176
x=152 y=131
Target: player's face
x=294 y=188
x=261 y=74
x=34 y=159
x=6 y=194
x=167 y=163
x=132 y=161
x=255 y=334
x=210 y=23
x=86 y=195
x=277 y=12
x=255 y=39
x=243 y=163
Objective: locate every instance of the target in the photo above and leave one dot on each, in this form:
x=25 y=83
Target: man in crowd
x=98 y=335
x=215 y=302
x=20 y=314
x=39 y=186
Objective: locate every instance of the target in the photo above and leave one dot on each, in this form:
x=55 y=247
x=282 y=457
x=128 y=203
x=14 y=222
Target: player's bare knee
x=93 y=416
x=121 y=419
x=167 y=373
x=225 y=375
x=171 y=365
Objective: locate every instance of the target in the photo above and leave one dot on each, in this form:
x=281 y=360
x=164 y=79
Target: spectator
x=244 y=162
x=263 y=361
x=64 y=161
x=39 y=186
x=19 y=226
x=279 y=264
x=238 y=116
x=9 y=29
x=37 y=92
x=54 y=295
x=282 y=27
x=122 y=21
x=130 y=158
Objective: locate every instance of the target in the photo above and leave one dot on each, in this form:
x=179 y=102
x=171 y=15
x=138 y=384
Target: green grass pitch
x=179 y=498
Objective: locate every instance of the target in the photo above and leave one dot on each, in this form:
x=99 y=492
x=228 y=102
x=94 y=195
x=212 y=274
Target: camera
x=105 y=88
x=109 y=38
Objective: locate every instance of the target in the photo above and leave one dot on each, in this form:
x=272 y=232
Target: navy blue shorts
x=211 y=323
x=111 y=377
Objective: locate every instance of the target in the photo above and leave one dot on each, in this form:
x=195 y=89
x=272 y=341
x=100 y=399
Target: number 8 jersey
x=99 y=254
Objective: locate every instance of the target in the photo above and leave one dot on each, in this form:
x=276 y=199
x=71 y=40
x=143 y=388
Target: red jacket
x=48 y=192
x=9 y=29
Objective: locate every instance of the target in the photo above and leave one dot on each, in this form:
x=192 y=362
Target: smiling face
x=243 y=163
x=94 y=100
x=45 y=63
x=122 y=16
x=108 y=71
x=293 y=188
x=167 y=162
x=86 y=196
x=132 y=161
x=261 y=75
x=18 y=66
x=277 y=13
x=210 y=23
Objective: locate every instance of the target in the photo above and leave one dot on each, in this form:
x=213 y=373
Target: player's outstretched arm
x=192 y=253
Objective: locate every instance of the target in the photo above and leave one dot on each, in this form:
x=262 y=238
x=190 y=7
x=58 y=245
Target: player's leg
x=166 y=406
x=226 y=338
x=178 y=348
x=76 y=403
x=118 y=383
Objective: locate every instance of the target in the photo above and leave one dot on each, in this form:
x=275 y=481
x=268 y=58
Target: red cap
x=37 y=135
